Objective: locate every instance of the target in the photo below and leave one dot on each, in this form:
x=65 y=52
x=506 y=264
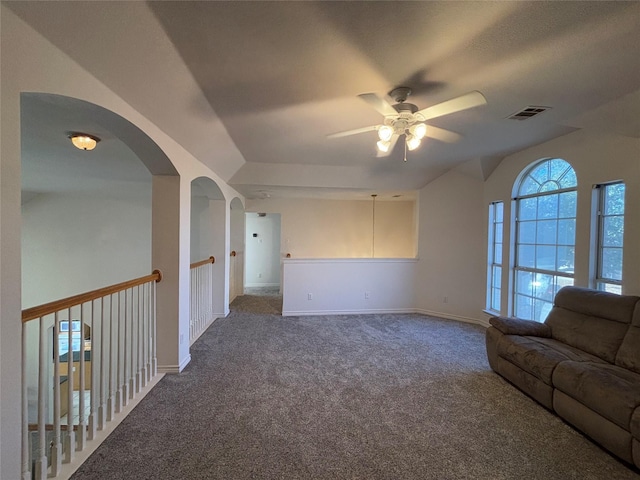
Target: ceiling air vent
x=528 y=112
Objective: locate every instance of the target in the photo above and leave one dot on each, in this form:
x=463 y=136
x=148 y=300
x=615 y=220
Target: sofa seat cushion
x=609 y=390
x=539 y=356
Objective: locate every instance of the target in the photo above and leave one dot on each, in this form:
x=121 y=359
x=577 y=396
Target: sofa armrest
x=517 y=326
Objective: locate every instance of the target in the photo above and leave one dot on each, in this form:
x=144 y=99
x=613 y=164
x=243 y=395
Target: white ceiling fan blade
x=392 y=144
x=355 y=131
x=380 y=104
x=463 y=102
x=442 y=134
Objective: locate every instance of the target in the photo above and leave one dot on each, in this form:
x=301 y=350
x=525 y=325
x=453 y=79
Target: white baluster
x=110 y=390
x=132 y=357
x=92 y=420
x=210 y=293
x=135 y=358
x=125 y=351
x=81 y=435
x=41 y=460
x=119 y=352
x=56 y=450
x=26 y=448
x=154 y=339
x=200 y=298
x=143 y=337
x=102 y=409
x=147 y=338
x=70 y=440
x=139 y=341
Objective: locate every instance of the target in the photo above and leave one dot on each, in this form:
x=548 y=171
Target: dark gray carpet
x=343 y=397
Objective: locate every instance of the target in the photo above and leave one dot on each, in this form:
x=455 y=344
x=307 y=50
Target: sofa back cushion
x=593 y=321
x=629 y=352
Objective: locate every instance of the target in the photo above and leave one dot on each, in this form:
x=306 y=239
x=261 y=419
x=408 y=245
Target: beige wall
x=95 y=241
x=451 y=248
x=343 y=228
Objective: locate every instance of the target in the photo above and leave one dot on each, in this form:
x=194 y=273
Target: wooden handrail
x=52 y=307
x=203 y=262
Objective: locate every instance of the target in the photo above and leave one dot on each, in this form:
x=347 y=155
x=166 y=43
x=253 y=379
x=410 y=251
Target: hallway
x=258 y=300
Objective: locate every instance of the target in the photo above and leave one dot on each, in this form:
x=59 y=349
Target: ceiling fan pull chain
x=405 y=148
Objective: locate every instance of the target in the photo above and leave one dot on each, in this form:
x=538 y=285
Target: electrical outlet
x=309 y=296
x=259 y=275
x=366 y=295
x=445 y=299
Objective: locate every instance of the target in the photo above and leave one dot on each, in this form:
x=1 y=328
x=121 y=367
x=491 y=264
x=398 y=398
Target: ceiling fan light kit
x=383 y=145
x=385 y=132
x=412 y=142
x=404 y=119
x=418 y=130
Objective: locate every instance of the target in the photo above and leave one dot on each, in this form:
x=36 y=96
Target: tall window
x=545 y=237
x=610 y=217
x=494 y=257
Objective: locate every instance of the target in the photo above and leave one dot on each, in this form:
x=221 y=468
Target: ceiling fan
x=404 y=118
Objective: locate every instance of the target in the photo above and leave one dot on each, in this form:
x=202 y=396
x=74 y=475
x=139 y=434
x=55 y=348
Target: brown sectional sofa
x=583 y=363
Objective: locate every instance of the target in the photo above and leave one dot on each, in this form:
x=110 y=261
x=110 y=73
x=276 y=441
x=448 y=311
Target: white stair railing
x=201 y=300
x=84 y=358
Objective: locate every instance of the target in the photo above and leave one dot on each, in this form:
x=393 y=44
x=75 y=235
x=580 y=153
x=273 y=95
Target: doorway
x=262 y=244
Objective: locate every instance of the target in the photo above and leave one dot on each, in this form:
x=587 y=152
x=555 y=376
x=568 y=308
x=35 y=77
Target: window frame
x=599 y=281
x=494 y=282
x=543 y=282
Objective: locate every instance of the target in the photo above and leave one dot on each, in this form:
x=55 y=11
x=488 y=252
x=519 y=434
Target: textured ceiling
x=269 y=80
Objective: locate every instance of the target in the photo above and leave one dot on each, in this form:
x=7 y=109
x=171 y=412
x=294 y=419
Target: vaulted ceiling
x=253 y=89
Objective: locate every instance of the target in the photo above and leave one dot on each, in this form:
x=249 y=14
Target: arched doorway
x=92 y=209
x=208 y=233
x=95 y=218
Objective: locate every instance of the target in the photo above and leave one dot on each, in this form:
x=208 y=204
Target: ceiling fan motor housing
x=400 y=94
x=405 y=108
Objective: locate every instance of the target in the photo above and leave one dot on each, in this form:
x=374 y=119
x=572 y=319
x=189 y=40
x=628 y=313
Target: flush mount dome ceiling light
x=404 y=119
x=83 y=141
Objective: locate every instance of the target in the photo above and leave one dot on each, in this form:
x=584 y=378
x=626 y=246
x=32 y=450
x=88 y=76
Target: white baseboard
x=293 y=313
x=257 y=285
x=449 y=316
x=173 y=369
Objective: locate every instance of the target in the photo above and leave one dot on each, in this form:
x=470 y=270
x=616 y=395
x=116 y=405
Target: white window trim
x=491 y=260
x=596 y=280
x=513 y=290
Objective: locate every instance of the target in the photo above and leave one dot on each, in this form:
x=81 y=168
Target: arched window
x=545 y=236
